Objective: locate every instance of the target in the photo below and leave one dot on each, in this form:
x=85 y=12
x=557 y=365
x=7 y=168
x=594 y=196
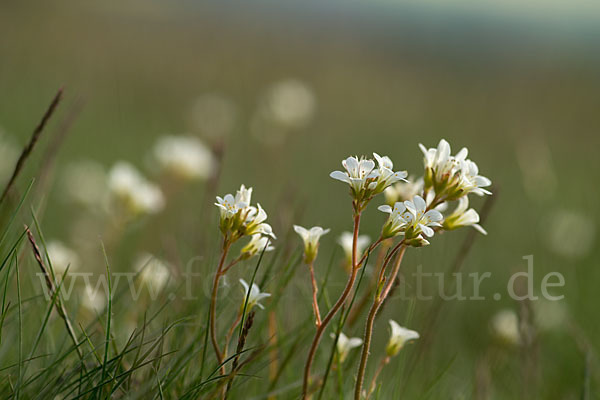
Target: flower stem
x=213 y=304
x=314 y=293
x=385 y=361
x=333 y=311
x=379 y=299
x=230 y=333
x=357 y=309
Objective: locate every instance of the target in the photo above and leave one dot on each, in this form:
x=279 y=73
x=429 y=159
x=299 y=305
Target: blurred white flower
x=398 y=337
x=256 y=245
x=214 y=116
x=93 y=299
x=254 y=295
x=185 y=157
x=345 y=344
x=153 y=271
x=61 y=257
x=310 y=237
x=347 y=238
x=290 y=103
x=569 y=233
x=402 y=191
x=462 y=217
x=505 y=327
x=136 y=192
x=286 y=106
x=85 y=183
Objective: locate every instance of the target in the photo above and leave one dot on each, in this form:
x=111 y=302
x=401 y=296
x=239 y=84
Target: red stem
x=379 y=299
x=336 y=307
x=213 y=304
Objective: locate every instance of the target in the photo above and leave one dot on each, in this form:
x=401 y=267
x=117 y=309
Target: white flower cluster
x=238 y=219
x=447 y=178
x=452 y=176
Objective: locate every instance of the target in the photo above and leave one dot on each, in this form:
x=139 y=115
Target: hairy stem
x=336 y=307
x=379 y=299
x=213 y=303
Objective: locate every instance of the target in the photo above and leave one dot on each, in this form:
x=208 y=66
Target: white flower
x=398 y=337
x=422 y=220
x=402 y=191
x=239 y=218
x=346 y=239
x=153 y=271
x=254 y=295
x=452 y=176
x=61 y=257
x=184 y=156
x=411 y=218
x=345 y=344
x=398 y=220
x=386 y=175
x=310 y=237
x=138 y=194
x=256 y=245
x=365 y=180
x=505 y=327
x=462 y=217
x=471 y=181
x=93 y=299
x=256 y=224
x=229 y=205
x=358 y=171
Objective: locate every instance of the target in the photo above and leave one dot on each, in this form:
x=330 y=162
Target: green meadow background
x=521 y=92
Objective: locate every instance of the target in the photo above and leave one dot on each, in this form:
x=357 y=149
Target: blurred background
x=285 y=90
